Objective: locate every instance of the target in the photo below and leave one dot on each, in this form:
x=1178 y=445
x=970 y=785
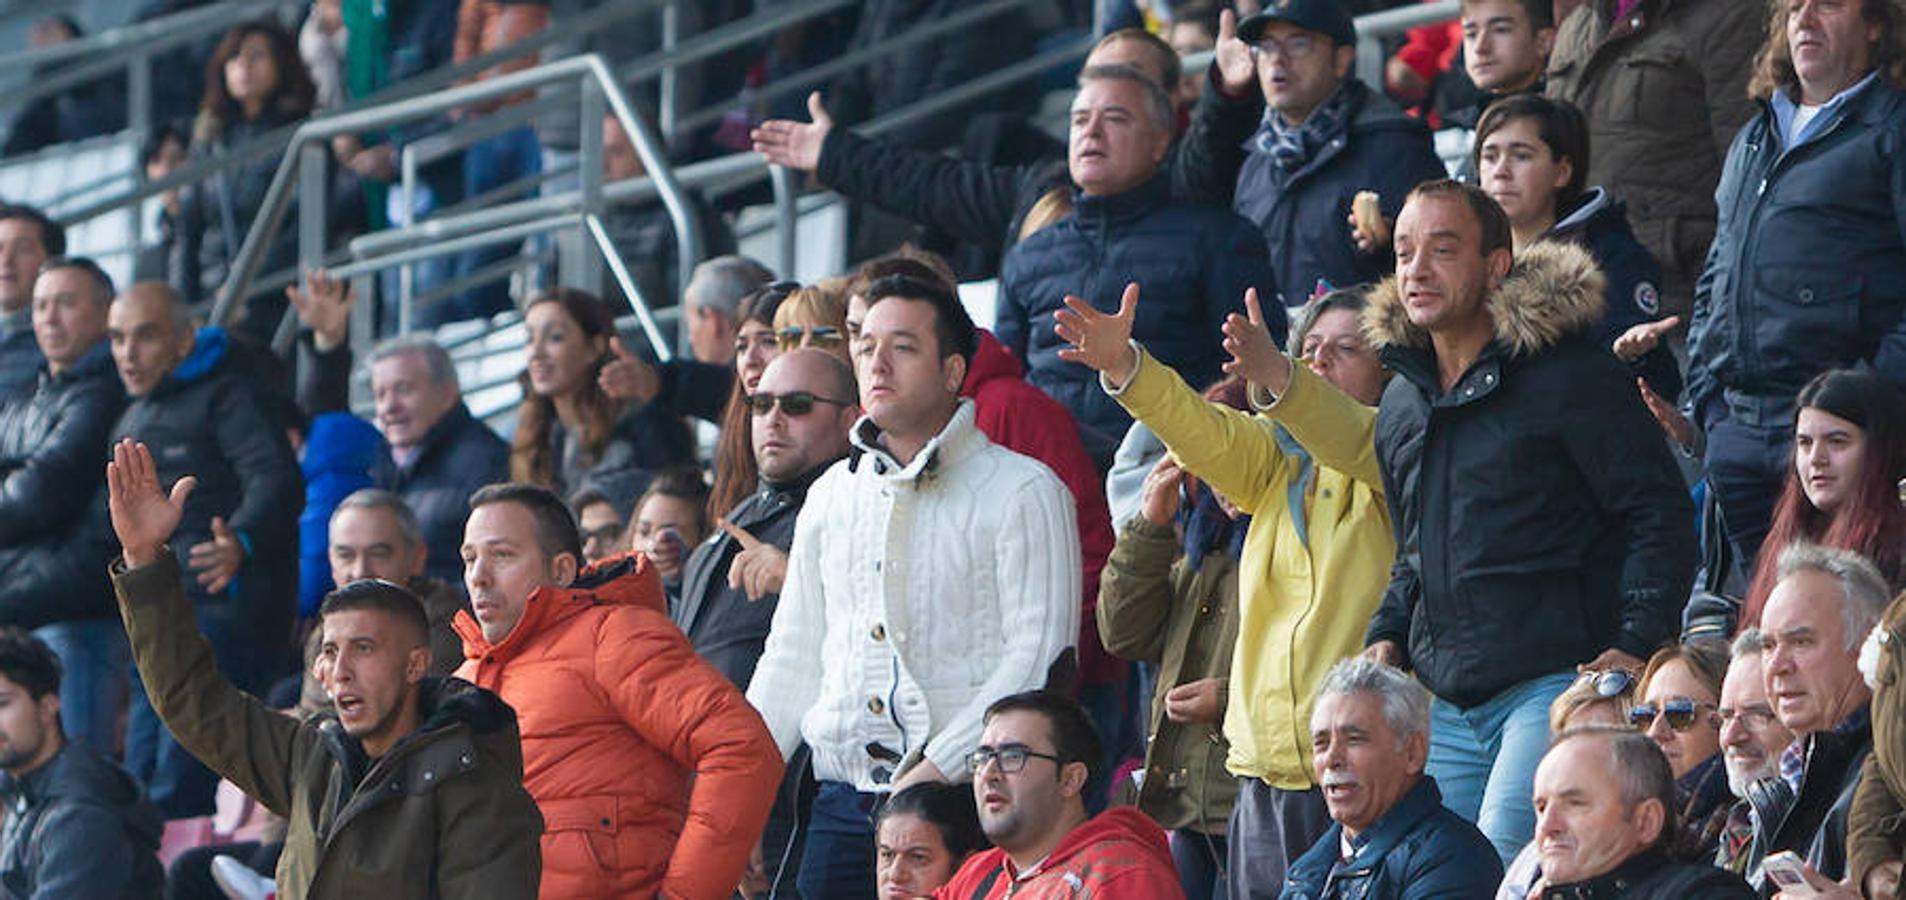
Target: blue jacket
x=1417 y=850
x=1805 y=271
x=20 y=358
x=1305 y=213
x=338 y=458
x=1192 y=264
x=1598 y=223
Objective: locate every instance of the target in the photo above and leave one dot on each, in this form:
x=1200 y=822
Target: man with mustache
x=1752 y=739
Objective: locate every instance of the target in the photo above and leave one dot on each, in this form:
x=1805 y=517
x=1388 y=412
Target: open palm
x=1100 y=340
x=143 y=514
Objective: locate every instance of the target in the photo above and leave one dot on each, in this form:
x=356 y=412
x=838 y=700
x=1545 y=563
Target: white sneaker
x=239 y=882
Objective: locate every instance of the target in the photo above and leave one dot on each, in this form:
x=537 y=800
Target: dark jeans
x=1200 y=860
x=838 y=861
x=487 y=165
x=1747 y=464
x=1270 y=829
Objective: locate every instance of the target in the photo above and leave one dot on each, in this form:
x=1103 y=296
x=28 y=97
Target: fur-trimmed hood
x=1553 y=291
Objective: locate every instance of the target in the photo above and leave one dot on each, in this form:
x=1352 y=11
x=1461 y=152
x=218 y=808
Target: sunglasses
x=793 y=403
x=1680 y=711
x=1612 y=683
x=822 y=335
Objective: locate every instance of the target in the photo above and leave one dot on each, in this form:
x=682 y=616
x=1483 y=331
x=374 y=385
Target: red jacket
x=1027 y=421
x=652 y=771
x=1120 y=855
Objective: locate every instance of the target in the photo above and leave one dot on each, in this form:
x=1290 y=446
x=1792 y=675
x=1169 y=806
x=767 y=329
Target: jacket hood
x=1553 y=291
x=1120 y=823
x=1595 y=204
x=340 y=442
x=208 y=350
x=991 y=361
x=626 y=580
x=446 y=701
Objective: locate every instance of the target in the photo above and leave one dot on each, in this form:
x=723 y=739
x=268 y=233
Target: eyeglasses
x=605 y=534
x=1755 y=718
x=1297 y=46
x=1612 y=683
x=793 y=403
x=1680 y=712
x=822 y=335
x=1010 y=757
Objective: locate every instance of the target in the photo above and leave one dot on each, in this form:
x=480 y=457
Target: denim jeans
x=1200 y=861
x=1270 y=828
x=93 y=657
x=489 y=164
x=1484 y=758
x=838 y=861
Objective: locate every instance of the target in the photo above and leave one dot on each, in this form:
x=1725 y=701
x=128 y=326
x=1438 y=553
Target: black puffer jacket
x=1804 y=273
x=1540 y=519
x=79 y=827
x=206 y=420
x=1193 y=264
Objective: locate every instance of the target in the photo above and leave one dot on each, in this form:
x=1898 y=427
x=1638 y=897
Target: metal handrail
x=302 y=163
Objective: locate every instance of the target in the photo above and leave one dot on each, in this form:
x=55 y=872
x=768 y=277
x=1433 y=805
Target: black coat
x=458 y=455
x=52 y=463
x=1650 y=876
x=79 y=826
x=725 y=627
x=215 y=214
x=1539 y=517
x=1598 y=223
x=1804 y=272
x=1193 y=264
x=1813 y=823
x=20 y=358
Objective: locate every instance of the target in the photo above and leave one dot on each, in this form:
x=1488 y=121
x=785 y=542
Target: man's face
x=601 y=531
x=1298 y=69
x=503 y=564
x=1751 y=735
x=1361 y=764
x=1812 y=679
x=911 y=858
x=369 y=664
x=1831 y=42
x=1188 y=37
x=26 y=726
x=68 y=316
x=409 y=402
x=619 y=159
x=1440 y=267
x=1115 y=142
x=711 y=335
x=1583 y=826
x=905 y=386
x=368 y=543
x=1336 y=349
x=786 y=445
x=146 y=345
x=856 y=314
x=1022 y=808
x=22 y=252
x=1502 y=49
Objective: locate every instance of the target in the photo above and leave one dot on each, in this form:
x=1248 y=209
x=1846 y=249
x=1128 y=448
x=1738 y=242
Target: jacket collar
x=1422 y=800
x=26 y=791
x=957 y=441
x=94 y=363
x=1553 y=292
x=445 y=431
x=1124 y=207
x=1635 y=870
x=794 y=490
x=1594 y=203
x=209 y=349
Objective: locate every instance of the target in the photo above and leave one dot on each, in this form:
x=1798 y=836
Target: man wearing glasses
x=1325 y=137
x=1031 y=770
x=1752 y=739
x=932 y=572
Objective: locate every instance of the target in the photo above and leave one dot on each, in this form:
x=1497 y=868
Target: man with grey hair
x=374 y=534
x=1752 y=739
x=698 y=387
x=1393 y=837
x=1606 y=825
x=711 y=302
x=1823 y=604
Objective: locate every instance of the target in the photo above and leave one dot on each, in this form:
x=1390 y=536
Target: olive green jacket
x=1876 y=823
x=1155 y=610
x=443 y=814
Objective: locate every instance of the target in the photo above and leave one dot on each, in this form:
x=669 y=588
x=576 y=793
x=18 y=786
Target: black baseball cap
x=1327 y=17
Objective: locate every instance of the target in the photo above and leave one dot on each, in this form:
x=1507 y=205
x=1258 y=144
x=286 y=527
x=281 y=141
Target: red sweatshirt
x=1120 y=855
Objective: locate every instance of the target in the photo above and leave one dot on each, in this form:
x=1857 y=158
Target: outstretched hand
x=143 y=515
x=1254 y=353
x=1639 y=340
x=1101 y=341
x=324 y=306
x=1676 y=425
x=1237 y=71
x=627 y=376
x=796 y=145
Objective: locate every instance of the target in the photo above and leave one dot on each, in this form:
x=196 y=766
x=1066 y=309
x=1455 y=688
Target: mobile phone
x=1787 y=873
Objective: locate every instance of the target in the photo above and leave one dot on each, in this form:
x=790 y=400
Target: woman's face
x=1336 y=350
x=1522 y=172
x=1675 y=685
x=666 y=529
x=1827 y=453
x=755 y=347
x=251 y=75
x=562 y=358
x=912 y=858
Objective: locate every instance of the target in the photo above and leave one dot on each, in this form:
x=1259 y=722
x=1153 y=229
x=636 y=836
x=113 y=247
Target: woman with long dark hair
x=1849 y=455
x=568 y=431
x=255 y=83
x=755 y=347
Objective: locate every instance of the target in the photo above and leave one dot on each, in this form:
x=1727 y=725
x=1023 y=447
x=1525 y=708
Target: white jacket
x=915 y=597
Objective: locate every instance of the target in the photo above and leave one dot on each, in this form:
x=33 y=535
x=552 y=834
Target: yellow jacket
x=1303 y=605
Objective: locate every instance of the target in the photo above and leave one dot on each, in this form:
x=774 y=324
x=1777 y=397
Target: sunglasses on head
x=790 y=337
x=793 y=403
x=1681 y=712
x=1612 y=683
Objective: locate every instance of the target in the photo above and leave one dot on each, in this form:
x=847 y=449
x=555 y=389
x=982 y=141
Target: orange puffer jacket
x=619 y=718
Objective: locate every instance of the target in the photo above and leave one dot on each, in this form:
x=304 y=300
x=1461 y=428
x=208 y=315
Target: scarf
x=1207 y=528
x=1291 y=146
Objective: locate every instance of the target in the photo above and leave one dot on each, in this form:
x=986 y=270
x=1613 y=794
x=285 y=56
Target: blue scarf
x=1207 y=528
x=1291 y=146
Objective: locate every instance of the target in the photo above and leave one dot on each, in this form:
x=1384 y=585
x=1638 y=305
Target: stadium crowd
x=1317 y=518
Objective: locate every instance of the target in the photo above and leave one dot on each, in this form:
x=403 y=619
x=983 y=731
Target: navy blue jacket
x=1598 y=223
x=1305 y=213
x=20 y=358
x=1805 y=271
x=1419 y=849
x=1192 y=264
x=458 y=455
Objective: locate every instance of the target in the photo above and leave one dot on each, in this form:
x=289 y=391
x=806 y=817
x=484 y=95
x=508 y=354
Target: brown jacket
x=1664 y=91
x=1876 y=824
x=442 y=815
